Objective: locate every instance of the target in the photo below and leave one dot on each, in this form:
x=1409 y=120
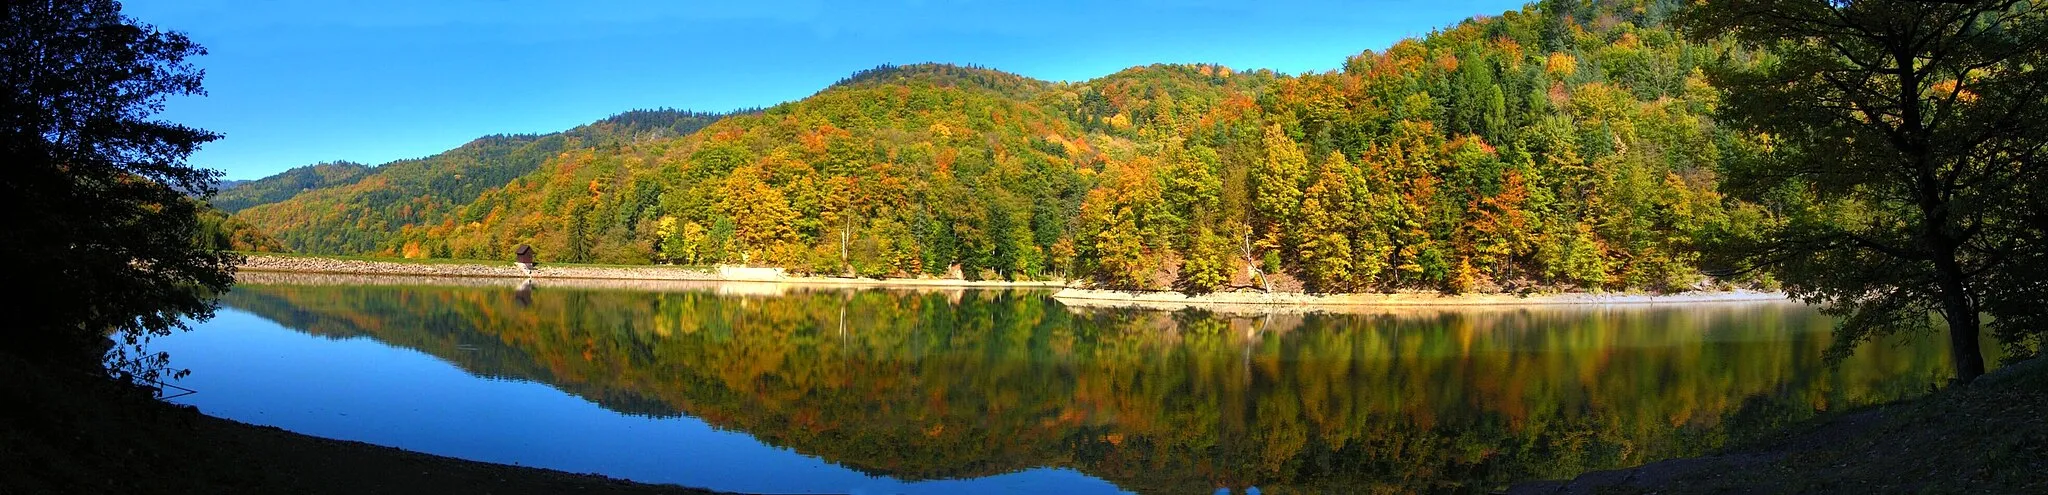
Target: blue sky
x=294 y=82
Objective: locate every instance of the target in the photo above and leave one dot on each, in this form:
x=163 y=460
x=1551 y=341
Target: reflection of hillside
x=479 y=354
x=935 y=385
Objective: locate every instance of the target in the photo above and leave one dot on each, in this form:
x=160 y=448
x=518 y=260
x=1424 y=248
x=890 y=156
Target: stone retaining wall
x=306 y=264
x=297 y=264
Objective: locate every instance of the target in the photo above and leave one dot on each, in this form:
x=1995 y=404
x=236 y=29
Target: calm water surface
x=779 y=390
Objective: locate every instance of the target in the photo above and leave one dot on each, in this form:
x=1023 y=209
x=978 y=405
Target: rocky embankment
x=1256 y=301
x=259 y=263
x=1244 y=301
x=303 y=264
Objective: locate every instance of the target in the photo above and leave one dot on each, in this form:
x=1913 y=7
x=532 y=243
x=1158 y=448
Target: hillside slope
x=356 y=215
x=240 y=195
x=1565 y=145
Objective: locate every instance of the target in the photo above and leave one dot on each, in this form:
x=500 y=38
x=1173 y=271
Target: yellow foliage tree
x=760 y=214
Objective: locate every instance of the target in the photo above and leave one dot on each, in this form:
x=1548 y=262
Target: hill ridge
x=1566 y=145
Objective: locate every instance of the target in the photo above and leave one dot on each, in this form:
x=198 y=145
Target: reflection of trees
x=951 y=385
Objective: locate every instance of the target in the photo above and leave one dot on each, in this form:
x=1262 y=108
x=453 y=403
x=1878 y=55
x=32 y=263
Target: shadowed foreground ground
x=1990 y=437
x=69 y=432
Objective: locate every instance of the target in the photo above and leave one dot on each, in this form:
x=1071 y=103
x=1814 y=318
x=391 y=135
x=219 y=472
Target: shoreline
x=721 y=287
x=301 y=264
x=1261 y=302
x=289 y=269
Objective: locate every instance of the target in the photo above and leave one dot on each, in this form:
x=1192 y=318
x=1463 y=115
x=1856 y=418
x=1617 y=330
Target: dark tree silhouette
x=98 y=235
x=1906 y=163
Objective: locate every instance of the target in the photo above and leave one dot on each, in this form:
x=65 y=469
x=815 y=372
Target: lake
x=781 y=389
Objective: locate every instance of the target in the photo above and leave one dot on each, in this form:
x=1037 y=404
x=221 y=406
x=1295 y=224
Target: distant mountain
x=236 y=196
x=1564 y=145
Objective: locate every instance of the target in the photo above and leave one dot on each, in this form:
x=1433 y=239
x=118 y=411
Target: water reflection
x=961 y=384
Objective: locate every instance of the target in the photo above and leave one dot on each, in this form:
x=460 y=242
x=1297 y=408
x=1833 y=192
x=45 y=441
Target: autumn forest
x=1565 y=146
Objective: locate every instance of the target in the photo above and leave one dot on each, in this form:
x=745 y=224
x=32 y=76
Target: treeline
x=1007 y=84
x=242 y=195
x=218 y=231
x=1562 y=146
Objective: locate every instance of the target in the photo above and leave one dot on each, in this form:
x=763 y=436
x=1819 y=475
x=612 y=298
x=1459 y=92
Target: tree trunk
x=1958 y=305
x=1963 y=323
x=1932 y=194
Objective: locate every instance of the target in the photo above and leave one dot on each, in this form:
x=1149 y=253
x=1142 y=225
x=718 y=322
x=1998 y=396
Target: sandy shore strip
x=1261 y=302
x=317 y=265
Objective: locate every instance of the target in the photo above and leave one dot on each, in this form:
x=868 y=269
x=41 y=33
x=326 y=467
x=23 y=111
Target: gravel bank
x=1300 y=302
x=307 y=264
x=1248 y=301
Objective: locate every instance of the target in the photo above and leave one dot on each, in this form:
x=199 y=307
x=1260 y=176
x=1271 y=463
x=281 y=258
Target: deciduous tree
x=1906 y=146
x=99 y=233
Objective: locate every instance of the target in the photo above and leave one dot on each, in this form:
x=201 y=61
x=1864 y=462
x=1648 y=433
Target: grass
x=1989 y=437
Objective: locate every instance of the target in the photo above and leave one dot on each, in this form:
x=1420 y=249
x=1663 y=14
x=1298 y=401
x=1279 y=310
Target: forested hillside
x=218 y=230
x=358 y=215
x=241 y=195
x=1565 y=145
